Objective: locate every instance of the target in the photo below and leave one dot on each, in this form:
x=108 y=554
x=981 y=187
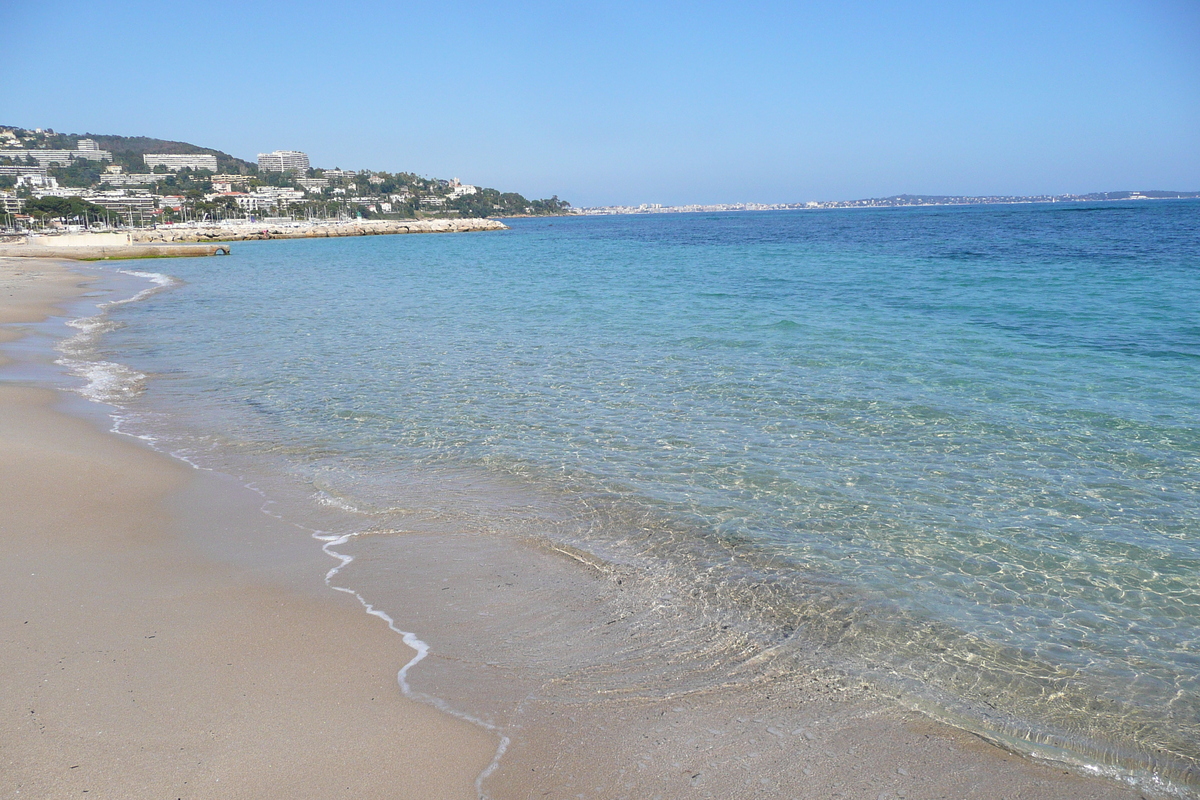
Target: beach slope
x=134 y=667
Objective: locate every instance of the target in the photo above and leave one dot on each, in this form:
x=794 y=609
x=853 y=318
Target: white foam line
x=421 y=648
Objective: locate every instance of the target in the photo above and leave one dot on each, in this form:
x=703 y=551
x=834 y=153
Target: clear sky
x=621 y=102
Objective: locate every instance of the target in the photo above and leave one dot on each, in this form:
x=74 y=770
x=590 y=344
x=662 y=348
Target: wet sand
x=136 y=667
x=162 y=637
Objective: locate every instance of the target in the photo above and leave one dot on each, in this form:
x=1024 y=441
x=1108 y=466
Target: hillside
x=237 y=188
x=128 y=150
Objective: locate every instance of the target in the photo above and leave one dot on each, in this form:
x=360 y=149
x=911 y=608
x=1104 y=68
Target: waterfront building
x=115 y=199
x=177 y=161
x=122 y=201
x=283 y=161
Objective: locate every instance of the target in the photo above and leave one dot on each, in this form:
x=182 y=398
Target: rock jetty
x=310 y=230
x=100 y=246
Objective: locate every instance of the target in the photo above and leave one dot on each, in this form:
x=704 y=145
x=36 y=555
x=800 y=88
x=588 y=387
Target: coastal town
x=50 y=181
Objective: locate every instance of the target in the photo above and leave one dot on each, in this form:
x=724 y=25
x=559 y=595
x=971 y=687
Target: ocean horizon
x=952 y=451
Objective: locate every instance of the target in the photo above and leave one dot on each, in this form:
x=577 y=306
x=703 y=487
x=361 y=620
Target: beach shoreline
x=137 y=667
x=794 y=732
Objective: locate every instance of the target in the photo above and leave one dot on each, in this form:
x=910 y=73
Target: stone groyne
x=47 y=247
x=311 y=230
x=171 y=241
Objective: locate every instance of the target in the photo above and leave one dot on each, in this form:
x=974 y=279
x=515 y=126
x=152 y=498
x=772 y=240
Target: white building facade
x=177 y=161
x=283 y=161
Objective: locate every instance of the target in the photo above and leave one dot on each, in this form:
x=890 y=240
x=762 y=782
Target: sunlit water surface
x=956 y=448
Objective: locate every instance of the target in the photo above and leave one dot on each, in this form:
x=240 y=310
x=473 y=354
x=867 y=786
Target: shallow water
x=954 y=450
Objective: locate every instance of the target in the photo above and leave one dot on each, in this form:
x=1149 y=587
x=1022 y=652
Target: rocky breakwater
x=310 y=230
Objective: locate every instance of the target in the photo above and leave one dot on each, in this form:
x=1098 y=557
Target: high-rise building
x=283 y=161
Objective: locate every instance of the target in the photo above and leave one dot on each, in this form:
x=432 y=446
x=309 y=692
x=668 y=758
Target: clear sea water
x=953 y=450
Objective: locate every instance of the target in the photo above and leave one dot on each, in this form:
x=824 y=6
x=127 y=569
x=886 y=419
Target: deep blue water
x=981 y=425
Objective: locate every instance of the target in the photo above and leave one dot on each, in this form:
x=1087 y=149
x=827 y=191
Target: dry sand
x=134 y=667
x=150 y=650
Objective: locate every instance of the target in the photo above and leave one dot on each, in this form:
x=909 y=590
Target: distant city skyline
x=623 y=104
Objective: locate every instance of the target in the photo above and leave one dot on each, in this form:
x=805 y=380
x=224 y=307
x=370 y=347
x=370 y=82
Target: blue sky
x=631 y=102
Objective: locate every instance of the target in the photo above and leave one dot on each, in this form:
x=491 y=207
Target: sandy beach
x=157 y=645
x=135 y=667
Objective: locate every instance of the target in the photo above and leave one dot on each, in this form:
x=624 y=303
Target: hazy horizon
x=622 y=105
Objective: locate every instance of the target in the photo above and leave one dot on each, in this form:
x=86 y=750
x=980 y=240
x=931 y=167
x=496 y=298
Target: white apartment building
x=122 y=201
x=283 y=161
x=130 y=178
x=461 y=189
x=33 y=177
x=265 y=197
x=177 y=161
x=21 y=169
x=63 y=157
x=119 y=200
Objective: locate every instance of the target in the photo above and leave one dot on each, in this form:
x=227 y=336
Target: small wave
x=90 y=330
x=160 y=281
x=329 y=500
x=107 y=381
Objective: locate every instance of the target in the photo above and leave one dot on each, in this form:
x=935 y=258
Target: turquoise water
x=955 y=450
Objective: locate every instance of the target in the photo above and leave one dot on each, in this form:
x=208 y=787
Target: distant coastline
x=895 y=201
